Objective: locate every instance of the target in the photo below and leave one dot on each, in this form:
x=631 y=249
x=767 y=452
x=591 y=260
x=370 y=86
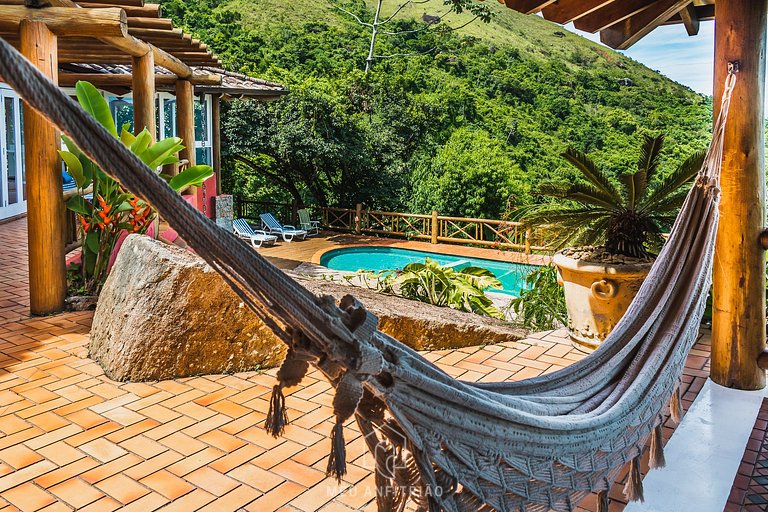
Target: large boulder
x=164 y=313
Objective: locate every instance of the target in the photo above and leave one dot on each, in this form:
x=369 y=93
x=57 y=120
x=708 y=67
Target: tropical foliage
x=443 y=286
x=541 y=305
x=477 y=122
x=627 y=216
x=104 y=208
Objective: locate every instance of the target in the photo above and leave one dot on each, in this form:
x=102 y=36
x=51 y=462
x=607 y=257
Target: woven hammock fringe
x=633 y=489
x=602 y=501
x=657 y=460
x=277 y=417
x=676 y=406
x=337 y=462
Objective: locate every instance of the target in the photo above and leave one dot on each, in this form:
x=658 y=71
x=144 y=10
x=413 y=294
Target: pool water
x=352 y=259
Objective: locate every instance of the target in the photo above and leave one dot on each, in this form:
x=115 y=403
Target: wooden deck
x=288 y=255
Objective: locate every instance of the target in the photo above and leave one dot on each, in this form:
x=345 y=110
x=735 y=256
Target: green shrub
x=542 y=305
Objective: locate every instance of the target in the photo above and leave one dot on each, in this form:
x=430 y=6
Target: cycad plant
x=627 y=216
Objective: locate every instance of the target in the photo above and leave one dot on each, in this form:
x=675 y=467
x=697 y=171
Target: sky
x=669 y=49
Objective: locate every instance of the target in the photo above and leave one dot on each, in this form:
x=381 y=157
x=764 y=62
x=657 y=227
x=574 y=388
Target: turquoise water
x=352 y=259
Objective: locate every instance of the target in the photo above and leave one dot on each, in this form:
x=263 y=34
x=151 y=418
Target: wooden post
x=185 y=128
x=358 y=218
x=528 y=236
x=143 y=79
x=216 y=121
x=738 y=313
x=185 y=119
x=45 y=200
x=435 y=227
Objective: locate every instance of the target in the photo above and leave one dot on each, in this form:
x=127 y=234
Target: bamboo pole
x=45 y=204
x=739 y=323
x=143 y=73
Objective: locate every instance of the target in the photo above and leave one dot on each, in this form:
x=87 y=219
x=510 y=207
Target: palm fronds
x=627 y=216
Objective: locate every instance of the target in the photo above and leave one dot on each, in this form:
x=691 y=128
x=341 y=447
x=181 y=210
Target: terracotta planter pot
x=597 y=295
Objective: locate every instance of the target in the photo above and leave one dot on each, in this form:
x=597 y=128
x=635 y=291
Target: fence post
x=528 y=236
x=435 y=226
x=294 y=212
x=358 y=218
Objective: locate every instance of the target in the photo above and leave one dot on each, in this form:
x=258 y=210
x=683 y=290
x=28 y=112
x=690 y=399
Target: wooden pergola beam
x=738 y=293
x=626 y=33
x=126 y=80
x=703 y=13
x=610 y=14
x=63 y=21
x=145 y=11
x=690 y=19
x=150 y=23
x=565 y=11
x=527 y=6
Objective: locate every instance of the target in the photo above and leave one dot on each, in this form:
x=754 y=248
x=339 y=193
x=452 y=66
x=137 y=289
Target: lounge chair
x=272 y=226
x=256 y=236
x=312 y=227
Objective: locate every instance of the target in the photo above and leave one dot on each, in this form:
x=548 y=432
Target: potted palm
x=613 y=229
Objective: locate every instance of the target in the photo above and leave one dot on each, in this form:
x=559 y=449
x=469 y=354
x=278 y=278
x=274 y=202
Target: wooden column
x=45 y=202
x=216 y=121
x=185 y=118
x=143 y=80
x=738 y=323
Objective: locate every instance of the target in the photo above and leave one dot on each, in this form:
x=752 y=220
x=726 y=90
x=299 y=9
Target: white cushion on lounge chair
x=271 y=225
x=256 y=236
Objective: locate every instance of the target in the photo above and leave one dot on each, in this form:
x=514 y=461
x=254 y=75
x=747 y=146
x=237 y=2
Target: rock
x=163 y=313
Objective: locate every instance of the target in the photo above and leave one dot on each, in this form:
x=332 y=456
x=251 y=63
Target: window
x=122 y=111
x=203 y=127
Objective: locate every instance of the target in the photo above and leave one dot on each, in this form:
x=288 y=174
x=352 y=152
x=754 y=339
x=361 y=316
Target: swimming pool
x=352 y=259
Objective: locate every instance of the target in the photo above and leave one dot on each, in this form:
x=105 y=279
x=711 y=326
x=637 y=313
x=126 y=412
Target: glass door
x=13 y=199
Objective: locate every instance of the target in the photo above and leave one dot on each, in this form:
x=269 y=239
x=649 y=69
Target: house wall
x=12 y=177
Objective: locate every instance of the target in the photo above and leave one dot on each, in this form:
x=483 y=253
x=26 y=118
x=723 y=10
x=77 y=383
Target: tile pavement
x=750 y=486
x=73 y=439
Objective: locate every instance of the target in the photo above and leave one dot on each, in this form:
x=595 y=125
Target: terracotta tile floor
x=750 y=486
x=71 y=438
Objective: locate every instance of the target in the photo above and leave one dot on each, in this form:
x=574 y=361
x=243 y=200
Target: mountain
x=470 y=122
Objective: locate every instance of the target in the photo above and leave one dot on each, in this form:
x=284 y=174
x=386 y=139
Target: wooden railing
x=250 y=209
x=435 y=228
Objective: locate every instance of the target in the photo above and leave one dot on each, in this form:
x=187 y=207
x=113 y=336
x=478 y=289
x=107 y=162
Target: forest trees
x=388 y=25
x=466 y=129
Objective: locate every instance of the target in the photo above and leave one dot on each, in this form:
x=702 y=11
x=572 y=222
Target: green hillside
x=471 y=122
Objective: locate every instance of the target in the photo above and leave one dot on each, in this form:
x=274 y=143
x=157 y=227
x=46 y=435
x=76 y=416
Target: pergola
x=739 y=321
x=120 y=46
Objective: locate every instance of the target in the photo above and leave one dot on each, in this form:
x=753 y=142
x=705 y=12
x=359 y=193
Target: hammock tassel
x=602 y=501
x=633 y=489
x=277 y=417
x=657 y=449
x=337 y=462
x=291 y=373
x=676 y=406
x=349 y=392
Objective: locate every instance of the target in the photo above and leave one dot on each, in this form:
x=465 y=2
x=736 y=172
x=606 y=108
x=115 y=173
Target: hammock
x=534 y=445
